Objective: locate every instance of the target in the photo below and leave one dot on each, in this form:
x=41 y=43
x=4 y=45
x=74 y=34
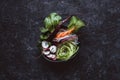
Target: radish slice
x=53 y=48
x=49 y=56
x=46 y=52
x=52 y=56
x=45 y=44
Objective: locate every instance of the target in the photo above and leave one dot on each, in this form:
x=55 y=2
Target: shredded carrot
x=62 y=34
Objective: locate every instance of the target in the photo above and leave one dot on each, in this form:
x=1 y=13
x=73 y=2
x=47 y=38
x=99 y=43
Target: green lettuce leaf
x=44 y=30
x=51 y=21
x=75 y=22
x=43 y=36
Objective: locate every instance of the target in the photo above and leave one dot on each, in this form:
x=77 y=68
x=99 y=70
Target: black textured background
x=99 y=54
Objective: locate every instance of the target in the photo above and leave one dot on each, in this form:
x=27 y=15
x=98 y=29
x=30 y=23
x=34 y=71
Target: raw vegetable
x=46 y=52
x=66 y=50
x=53 y=48
x=52 y=35
x=71 y=37
x=76 y=23
x=43 y=36
x=45 y=44
x=51 y=56
x=67 y=32
x=66 y=38
x=51 y=21
x=44 y=30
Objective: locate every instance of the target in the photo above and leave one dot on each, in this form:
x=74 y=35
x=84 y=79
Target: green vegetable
x=51 y=21
x=43 y=36
x=75 y=22
x=66 y=50
x=44 y=30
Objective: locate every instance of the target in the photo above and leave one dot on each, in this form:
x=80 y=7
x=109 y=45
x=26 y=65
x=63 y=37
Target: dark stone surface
x=99 y=54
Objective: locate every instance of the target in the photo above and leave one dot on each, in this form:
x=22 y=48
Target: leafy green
x=51 y=21
x=44 y=30
x=43 y=36
x=66 y=50
x=76 y=22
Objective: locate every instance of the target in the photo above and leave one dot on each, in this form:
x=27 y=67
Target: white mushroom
x=53 y=48
x=45 y=44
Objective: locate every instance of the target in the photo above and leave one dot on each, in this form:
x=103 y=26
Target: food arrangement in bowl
x=57 y=41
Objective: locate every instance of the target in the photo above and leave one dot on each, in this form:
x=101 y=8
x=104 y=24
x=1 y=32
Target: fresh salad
x=59 y=42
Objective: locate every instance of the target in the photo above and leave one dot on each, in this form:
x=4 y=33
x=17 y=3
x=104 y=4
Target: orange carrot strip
x=62 y=34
